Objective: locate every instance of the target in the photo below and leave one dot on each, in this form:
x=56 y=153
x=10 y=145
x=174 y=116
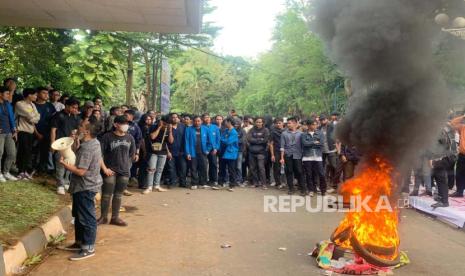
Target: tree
x=34 y=56
x=294 y=77
x=226 y=75
x=95 y=60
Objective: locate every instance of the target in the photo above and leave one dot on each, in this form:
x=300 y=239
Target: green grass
x=24 y=205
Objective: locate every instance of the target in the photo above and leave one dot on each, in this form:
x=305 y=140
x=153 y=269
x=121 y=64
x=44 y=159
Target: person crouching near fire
x=84 y=185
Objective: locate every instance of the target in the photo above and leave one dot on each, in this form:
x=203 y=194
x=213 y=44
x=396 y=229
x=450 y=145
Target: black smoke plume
x=386 y=48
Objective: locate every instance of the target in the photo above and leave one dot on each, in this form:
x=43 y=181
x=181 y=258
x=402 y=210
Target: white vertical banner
x=165 y=86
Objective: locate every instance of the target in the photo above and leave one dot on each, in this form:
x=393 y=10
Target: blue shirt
x=205 y=138
x=136 y=133
x=7 y=119
x=229 y=144
x=46 y=111
x=177 y=147
x=214 y=143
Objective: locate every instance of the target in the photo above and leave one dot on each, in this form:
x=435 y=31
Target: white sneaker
x=10 y=177
x=2 y=178
x=147 y=191
x=28 y=176
x=194 y=187
x=312 y=194
x=66 y=187
x=206 y=187
x=61 y=190
x=23 y=176
x=160 y=189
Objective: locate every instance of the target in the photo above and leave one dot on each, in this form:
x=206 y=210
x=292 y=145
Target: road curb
x=34 y=242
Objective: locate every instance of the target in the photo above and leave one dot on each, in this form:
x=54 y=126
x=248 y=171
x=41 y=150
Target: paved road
x=180 y=232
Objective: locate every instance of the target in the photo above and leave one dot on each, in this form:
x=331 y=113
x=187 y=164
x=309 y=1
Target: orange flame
x=377 y=228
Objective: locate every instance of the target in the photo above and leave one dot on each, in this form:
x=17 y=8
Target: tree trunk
x=130 y=72
x=148 y=80
x=156 y=68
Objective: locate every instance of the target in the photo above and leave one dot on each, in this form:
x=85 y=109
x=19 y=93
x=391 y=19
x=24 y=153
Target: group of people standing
x=179 y=150
x=239 y=151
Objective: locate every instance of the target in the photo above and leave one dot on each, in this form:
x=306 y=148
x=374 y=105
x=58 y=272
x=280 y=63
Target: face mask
x=124 y=128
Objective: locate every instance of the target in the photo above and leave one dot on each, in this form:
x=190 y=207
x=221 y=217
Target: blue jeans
x=155 y=168
x=85 y=221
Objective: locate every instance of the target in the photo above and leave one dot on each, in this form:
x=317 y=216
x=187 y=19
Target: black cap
x=121 y=120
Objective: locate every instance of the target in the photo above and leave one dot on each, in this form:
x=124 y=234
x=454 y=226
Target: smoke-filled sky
x=247 y=25
x=386 y=48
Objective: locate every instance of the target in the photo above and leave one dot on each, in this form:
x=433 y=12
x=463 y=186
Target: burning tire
x=369 y=257
x=341 y=236
x=379 y=250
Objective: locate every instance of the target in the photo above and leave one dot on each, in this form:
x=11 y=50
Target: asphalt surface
x=180 y=232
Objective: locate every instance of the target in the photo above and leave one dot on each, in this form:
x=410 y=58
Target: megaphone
x=63 y=145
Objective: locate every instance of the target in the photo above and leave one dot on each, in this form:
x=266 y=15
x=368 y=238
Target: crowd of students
x=159 y=152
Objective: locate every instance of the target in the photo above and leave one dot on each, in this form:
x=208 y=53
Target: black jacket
x=257 y=140
x=351 y=153
x=242 y=135
x=276 y=138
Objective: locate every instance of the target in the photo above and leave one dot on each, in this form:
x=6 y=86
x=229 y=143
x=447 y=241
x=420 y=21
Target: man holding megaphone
x=84 y=185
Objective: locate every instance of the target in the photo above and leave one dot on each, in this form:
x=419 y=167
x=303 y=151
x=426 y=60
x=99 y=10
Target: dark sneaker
x=73 y=247
x=118 y=222
x=456 y=194
x=102 y=220
x=439 y=204
x=82 y=255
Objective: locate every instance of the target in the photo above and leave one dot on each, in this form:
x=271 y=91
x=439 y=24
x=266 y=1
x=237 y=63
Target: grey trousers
x=7 y=145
